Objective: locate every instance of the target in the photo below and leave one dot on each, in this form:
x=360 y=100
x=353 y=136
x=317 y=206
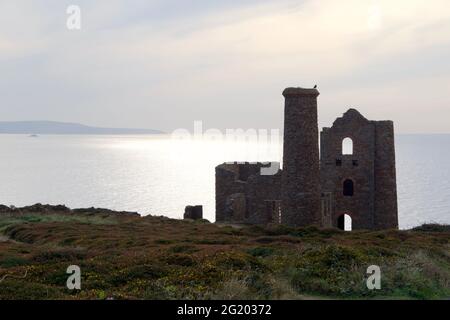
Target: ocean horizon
x=157 y=175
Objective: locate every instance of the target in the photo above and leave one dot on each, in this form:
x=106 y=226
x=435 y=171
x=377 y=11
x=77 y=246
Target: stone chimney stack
x=301 y=176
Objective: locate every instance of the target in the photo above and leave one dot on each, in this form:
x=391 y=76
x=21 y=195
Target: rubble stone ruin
x=193 y=212
x=350 y=184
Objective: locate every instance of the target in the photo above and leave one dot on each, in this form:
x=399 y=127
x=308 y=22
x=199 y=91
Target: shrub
x=260 y=251
x=13 y=261
x=183 y=249
x=233 y=289
x=433 y=227
x=59 y=255
x=180 y=260
x=129 y=274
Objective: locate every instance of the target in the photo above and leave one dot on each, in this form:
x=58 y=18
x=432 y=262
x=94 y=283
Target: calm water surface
x=159 y=176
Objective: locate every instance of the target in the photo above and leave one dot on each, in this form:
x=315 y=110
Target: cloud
x=142 y=63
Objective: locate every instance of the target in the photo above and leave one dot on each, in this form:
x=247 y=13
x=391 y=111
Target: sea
x=160 y=174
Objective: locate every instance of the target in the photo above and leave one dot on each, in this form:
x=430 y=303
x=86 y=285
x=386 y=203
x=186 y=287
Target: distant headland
x=54 y=127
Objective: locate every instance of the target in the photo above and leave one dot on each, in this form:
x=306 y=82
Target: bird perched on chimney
x=315 y=87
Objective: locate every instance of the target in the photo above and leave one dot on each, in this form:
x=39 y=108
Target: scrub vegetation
x=125 y=256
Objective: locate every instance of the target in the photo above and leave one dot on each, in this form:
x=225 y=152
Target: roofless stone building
x=353 y=175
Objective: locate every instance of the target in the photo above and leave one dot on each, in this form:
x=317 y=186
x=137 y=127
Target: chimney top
x=300 y=92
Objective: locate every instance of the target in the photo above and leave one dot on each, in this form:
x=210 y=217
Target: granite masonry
x=350 y=183
x=193 y=212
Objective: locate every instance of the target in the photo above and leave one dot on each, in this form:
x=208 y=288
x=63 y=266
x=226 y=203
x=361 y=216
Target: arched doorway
x=345 y=222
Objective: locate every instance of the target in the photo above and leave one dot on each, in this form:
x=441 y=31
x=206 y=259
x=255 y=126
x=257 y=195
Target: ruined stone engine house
x=352 y=177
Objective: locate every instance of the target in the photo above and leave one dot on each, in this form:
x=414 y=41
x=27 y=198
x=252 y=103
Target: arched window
x=347 y=146
x=348 y=188
x=345 y=222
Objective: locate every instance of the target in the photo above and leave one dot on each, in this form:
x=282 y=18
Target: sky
x=164 y=64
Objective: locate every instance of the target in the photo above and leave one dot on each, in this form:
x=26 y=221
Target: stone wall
x=227 y=184
x=362 y=168
x=243 y=195
x=193 y=212
x=386 y=212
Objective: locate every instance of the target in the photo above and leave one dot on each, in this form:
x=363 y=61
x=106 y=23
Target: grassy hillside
x=124 y=256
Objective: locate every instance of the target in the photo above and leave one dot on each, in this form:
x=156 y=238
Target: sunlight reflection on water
x=159 y=176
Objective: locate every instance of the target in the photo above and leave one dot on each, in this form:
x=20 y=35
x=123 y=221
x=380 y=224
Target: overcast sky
x=163 y=64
